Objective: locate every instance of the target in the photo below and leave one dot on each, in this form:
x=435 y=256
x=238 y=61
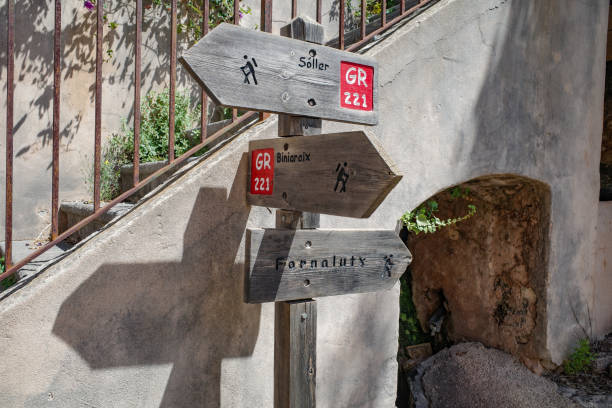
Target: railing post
x=10 y=78
x=236 y=22
x=98 y=118
x=342 y=7
x=172 y=95
x=203 y=96
x=363 y=19
x=265 y=22
x=137 y=81
x=57 y=69
x=383 y=13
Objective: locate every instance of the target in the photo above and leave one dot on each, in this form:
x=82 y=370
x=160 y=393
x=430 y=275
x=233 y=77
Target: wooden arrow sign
x=300 y=264
x=254 y=70
x=345 y=174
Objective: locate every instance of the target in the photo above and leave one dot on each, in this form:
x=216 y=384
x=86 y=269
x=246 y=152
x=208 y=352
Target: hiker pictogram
x=388 y=264
x=342 y=177
x=249 y=69
x=297 y=77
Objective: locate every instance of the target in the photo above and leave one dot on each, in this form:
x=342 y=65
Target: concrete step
x=146 y=169
x=71 y=213
x=21 y=249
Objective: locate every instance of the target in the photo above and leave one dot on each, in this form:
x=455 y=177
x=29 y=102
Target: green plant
x=424 y=219
x=189 y=15
x=154 y=130
x=580 y=359
x=373 y=7
x=410 y=332
x=154 y=127
x=6 y=282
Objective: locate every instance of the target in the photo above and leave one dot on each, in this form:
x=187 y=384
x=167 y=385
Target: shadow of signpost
x=189 y=313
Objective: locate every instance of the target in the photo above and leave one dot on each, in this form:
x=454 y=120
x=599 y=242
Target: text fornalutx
x=334 y=261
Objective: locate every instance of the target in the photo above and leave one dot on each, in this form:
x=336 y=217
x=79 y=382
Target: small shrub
x=580 y=359
x=154 y=130
x=6 y=282
x=373 y=7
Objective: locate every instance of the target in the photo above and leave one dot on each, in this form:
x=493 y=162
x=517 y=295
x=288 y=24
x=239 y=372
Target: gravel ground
x=469 y=375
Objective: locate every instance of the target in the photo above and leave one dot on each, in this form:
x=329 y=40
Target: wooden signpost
x=346 y=174
x=299 y=264
x=254 y=70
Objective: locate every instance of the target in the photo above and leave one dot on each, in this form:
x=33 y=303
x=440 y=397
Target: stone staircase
x=73 y=212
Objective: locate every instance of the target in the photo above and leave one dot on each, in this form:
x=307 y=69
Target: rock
x=533 y=365
x=602 y=363
x=549 y=365
x=436 y=321
x=472 y=376
x=419 y=351
x=407 y=365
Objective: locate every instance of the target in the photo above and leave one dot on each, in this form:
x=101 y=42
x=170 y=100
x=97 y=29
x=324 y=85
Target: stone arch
x=490 y=271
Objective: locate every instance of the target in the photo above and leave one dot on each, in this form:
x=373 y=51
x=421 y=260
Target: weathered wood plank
x=295 y=335
x=254 y=70
x=286 y=264
x=295 y=354
x=346 y=174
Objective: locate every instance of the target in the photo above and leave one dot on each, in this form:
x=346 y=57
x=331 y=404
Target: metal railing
x=406 y=7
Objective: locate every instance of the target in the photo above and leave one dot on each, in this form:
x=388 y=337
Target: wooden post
x=295 y=322
x=295 y=343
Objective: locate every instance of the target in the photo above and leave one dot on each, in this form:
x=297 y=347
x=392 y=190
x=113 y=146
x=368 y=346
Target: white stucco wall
x=149 y=312
x=33 y=100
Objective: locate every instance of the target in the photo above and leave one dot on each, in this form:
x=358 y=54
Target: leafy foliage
x=6 y=282
x=424 y=219
x=410 y=330
x=189 y=15
x=373 y=7
x=154 y=129
x=580 y=359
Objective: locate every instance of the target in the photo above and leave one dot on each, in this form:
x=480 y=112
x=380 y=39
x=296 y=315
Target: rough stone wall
x=605 y=168
x=601 y=306
x=606 y=142
x=490 y=269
